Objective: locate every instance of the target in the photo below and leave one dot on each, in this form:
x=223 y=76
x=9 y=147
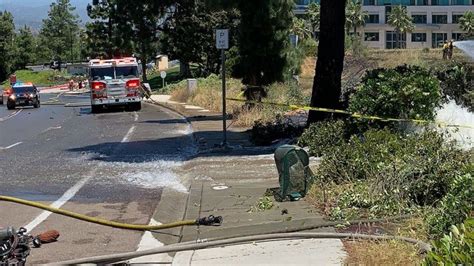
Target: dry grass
x=381 y=253
x=372 y=252
x=389 y=252
x=208 y=95
x=393 y=58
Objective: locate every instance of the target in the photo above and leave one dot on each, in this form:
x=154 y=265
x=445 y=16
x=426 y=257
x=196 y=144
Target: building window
x=391 y=40
x=371 y=37
x=419 y=19
x=372 y=19
x=457 y=36
x=440 y=19
x=440 y=2
x=422 y=2
x=456 y=18
x=369 y=2
x=460 y=2
x=306 y=2
x=418 y=37
x=438 y=39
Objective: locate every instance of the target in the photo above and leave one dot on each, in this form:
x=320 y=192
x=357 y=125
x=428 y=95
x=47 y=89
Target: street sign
x=222 y=43
x=163 y=74
x=222 y=39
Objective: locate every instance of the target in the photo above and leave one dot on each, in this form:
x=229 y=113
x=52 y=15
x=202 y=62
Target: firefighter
x=71 y=85
x=445 y=50
x=450 y=49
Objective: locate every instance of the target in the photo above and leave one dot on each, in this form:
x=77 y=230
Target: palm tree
x=300 y=28
x=355 y=16
x=313 y=16
x=466 y=23
x=401 y=21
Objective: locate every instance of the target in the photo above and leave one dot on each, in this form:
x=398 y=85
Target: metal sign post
x=222 y=43
x=163 y=76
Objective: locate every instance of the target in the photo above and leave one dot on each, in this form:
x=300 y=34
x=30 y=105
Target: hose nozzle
x=211 y=220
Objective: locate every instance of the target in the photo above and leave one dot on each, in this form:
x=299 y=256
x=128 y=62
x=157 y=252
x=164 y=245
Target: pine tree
x=25 y=48
x=109 y=33
x=7 y=35
x=263 y=41
x=144 y=23
x=189 y=35
x=60 y=30
x=124 y=27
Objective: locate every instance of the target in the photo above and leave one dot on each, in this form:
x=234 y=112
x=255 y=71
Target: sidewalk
x=230 y=184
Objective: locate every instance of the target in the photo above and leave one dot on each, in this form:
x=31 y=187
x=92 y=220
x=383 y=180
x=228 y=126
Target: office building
x=435 y=22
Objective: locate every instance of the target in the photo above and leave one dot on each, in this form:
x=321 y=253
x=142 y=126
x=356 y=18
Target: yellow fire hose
x=211 y=220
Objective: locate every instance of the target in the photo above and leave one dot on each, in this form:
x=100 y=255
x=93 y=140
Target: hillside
x=32 y=12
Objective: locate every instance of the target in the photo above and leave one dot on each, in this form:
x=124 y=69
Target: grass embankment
x=208 y=94
x=40 y=78
x=156 y=82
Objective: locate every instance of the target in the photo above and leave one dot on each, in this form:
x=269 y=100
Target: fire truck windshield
x=122 y=72
x=126 y=72
x=102 y=73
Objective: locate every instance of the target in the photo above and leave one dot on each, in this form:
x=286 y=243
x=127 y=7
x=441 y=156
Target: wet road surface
x=111 y=165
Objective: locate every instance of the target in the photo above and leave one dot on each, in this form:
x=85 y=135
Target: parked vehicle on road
x=23 y=94
x=115 y=82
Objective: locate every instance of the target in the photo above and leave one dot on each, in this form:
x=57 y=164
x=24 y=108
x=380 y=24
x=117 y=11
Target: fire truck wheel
x=96 y=109
x=135 y=106
x=138 y=106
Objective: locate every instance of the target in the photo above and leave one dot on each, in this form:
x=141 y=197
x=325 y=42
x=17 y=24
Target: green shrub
x=403 y=92
x=409 y=170
x=454 y=207
x=456 y=248
x=309 y=47
x=457 y=83
x=295 y=57
x=356 y=46
x=322 y=136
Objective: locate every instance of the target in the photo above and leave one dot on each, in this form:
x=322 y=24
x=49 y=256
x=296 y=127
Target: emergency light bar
x=126 y=60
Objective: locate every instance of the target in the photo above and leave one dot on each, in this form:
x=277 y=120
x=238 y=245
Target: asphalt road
x=112 y=165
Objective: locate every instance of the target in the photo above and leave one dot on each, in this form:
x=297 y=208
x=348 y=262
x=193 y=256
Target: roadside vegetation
x=374 y=169
x=40 y=78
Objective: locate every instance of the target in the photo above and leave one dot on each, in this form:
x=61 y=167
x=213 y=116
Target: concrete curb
x=172 y=109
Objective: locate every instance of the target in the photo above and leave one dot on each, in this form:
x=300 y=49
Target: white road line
x=129 y=134
x=131 y=130
x=11 y=146
x=60 y=202
x=72 y=191
x=51 y=128
x=11 y=115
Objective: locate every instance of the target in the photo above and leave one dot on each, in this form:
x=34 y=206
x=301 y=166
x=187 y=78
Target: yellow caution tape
x=355 y=115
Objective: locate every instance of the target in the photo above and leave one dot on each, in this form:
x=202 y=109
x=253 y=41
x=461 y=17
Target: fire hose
x=239 y=240
x=209 y=221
